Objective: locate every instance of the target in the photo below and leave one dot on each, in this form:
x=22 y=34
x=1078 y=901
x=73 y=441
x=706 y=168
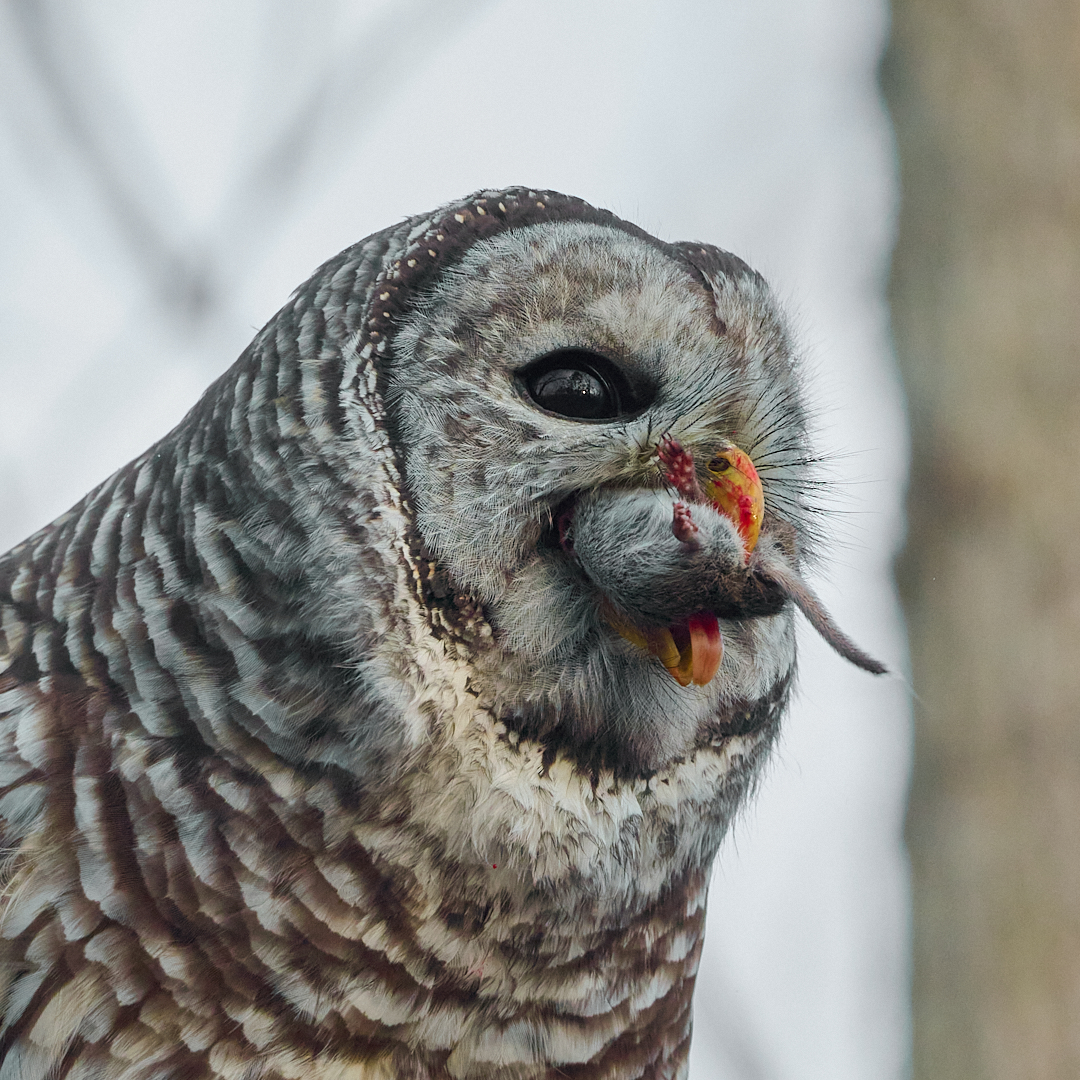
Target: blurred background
x=985 y=97
x=171 y=169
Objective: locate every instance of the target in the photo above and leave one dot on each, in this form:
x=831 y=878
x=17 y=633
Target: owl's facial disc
x=528 y=392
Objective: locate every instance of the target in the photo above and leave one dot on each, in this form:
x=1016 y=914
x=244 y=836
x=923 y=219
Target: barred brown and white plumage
x=337 y=740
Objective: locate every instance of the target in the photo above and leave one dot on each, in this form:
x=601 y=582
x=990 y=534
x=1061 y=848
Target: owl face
x=534 y=389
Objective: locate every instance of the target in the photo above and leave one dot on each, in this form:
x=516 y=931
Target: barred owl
x=383 y=719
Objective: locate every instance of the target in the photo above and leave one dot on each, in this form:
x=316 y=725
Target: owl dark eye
x=579 y=385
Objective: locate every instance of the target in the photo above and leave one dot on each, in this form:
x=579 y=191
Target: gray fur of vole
x=624 y=543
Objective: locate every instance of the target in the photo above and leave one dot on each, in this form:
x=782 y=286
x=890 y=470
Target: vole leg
x=682 y=525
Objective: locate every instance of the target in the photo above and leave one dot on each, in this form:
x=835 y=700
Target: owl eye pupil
x=572 y=393
x=578 y=385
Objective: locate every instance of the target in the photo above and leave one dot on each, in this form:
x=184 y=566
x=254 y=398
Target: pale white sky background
x=171 y=170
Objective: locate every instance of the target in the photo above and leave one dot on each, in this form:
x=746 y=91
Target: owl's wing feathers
x=319 y=755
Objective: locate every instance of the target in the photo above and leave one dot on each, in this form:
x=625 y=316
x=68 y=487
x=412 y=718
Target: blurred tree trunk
x=985 y=95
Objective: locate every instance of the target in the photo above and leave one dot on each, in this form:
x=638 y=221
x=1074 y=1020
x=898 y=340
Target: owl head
x=580 y=411
x=516 y=457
